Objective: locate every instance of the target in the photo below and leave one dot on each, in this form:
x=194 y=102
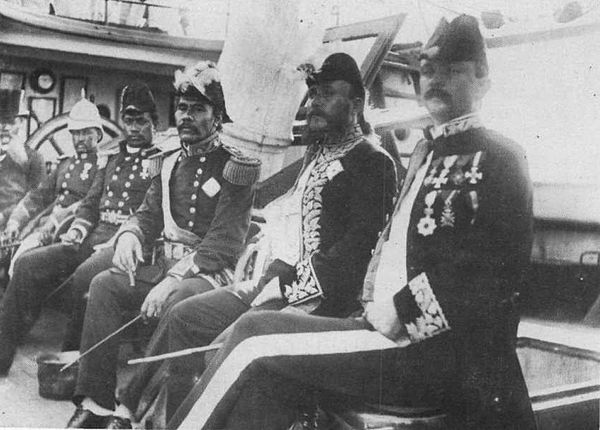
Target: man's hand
x=157 y=297
x=128 y=252
x=72 y=237
x=12 y=230
x=382 y=316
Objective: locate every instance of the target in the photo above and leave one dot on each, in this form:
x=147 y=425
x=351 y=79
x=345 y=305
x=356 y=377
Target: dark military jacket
x=16 y=179
x=118 y=190
x=345 y=205
x=210 y=197
x=67 y=184
x=468 y=245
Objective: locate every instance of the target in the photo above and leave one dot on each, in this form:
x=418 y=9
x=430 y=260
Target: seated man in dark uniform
x=112 y=199
x=201 y=203
x=321 y=231
x=22 y=168
x=118 y=188
x=58 y=196
x=439 y=322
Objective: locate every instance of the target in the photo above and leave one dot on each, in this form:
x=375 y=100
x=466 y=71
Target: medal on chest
x=427 y=225
x=145 y=173
x=448 y=217
x=442 y=179
x=474 y=175
x=85 y=174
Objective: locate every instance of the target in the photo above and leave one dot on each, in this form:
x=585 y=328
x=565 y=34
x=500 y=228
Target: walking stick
x=175 y=354
x=110 y=336
x=57 y=289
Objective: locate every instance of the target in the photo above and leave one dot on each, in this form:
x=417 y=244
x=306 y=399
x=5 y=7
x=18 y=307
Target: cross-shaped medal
x=440 y=180
x=474 y=175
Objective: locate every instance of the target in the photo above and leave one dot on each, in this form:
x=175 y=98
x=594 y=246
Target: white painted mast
x=267 y=40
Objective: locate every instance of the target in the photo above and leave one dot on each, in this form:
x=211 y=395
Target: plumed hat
x=459 y=40
x=202 y=78
x=338 y=66
x=9 y=104
x=137 y=97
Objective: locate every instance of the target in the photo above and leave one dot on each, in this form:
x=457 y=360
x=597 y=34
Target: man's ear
x=100 y=134
x=358 y=104
x=483 y=86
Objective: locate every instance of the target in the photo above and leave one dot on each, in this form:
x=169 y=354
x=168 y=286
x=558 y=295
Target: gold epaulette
x=153 y=163
x=240 y=169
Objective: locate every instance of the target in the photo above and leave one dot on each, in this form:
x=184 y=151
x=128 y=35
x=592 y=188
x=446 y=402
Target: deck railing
x=153 y=15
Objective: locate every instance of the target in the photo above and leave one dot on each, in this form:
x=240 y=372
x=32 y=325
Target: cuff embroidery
x=305 y=287
x=431 y=320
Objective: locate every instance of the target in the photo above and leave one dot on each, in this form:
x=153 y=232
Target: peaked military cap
x=338 y=66
x=137 y=97
x=9 y=104
x=459 y=40
x=204 y=78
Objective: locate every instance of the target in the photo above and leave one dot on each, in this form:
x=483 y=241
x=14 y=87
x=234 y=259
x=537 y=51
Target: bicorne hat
x=459 y=40
x=203 y=78
x=338 y=66
x=137 y=97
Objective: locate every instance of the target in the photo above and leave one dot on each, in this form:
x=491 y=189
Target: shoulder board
x=152 y=165
x=149 y=152
x=108 y=152
x=63 y=157
x=163 y=154
x=240 y=169
x=102 y=160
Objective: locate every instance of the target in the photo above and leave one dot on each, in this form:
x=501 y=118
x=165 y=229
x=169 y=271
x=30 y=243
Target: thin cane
x=114 y=333
x=175 y=354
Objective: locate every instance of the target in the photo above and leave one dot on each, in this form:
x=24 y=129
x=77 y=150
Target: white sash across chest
x=171 y=230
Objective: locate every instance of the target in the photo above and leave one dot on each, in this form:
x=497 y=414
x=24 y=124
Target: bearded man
x=321 y=231
x=439 y=321
x=201 y=204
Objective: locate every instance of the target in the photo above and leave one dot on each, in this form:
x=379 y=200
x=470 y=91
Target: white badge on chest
x=211 y=187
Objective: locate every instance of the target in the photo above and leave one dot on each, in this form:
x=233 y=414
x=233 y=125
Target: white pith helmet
x=84 y=114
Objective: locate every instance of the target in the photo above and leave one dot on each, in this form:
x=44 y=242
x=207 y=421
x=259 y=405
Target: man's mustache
x=187 y=126
x=438 y=94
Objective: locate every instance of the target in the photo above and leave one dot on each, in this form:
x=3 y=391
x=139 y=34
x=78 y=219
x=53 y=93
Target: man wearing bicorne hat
x=201 y=203
x=322 y=233
x=439 y=322
x=114 y=196
x=119 y=184
x=22 y=168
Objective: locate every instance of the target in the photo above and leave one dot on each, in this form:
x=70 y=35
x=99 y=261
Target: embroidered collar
x=203 y=147
x=331 y=150
x=457 y=125
x=332 y=142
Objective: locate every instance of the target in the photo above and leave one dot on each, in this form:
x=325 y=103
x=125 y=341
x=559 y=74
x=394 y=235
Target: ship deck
x=20 y=403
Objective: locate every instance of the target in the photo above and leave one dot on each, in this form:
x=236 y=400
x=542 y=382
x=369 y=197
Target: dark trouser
x=110 y=297
x=275 y=363
x=36 y=274
x=193 y=322
x=197 y=321
x=80 y=285
x=272 y=363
